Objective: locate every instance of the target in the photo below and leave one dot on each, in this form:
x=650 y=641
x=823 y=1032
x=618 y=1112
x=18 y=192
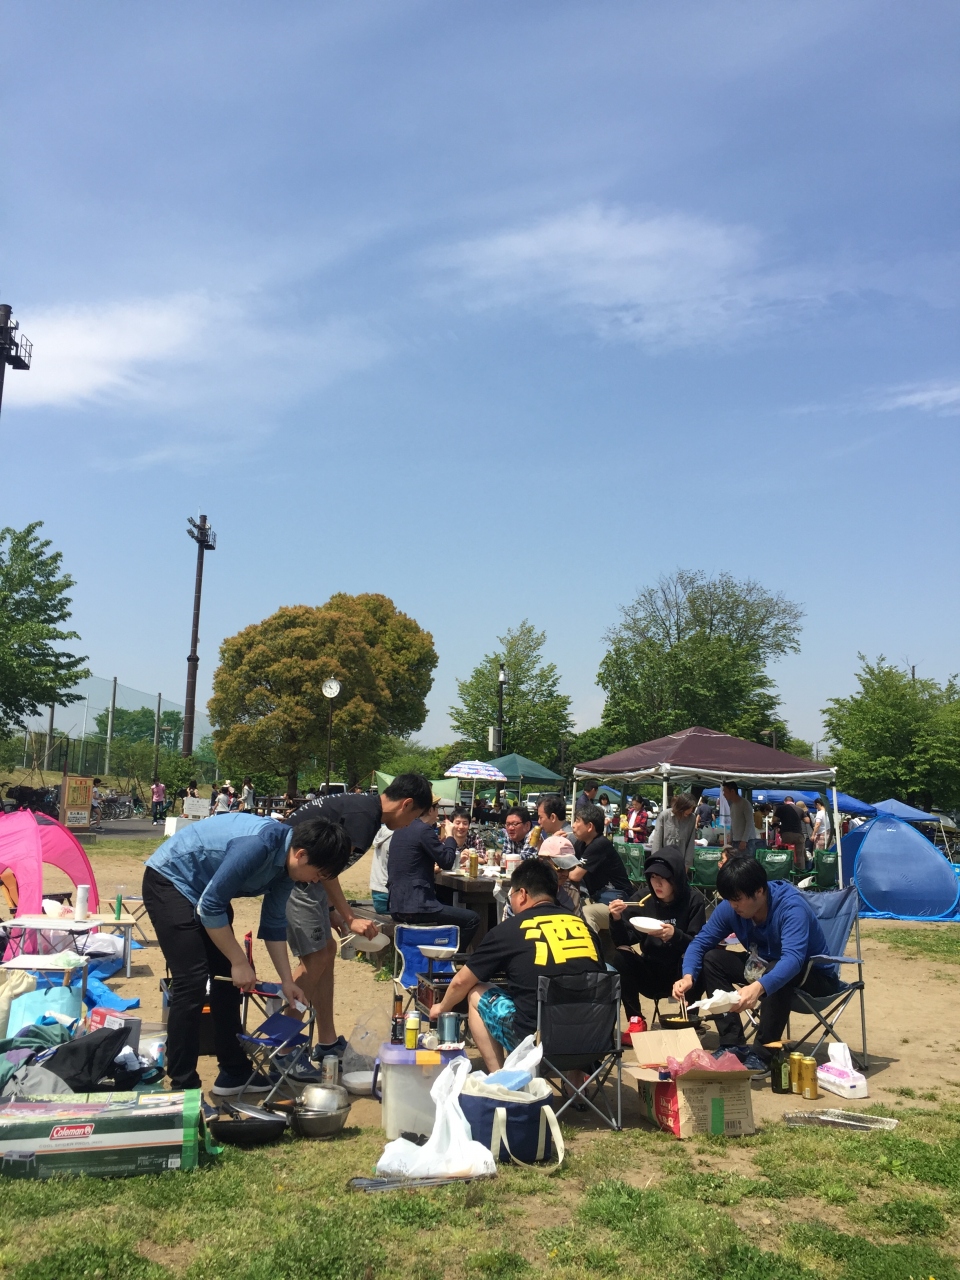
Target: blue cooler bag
x=516 y=1124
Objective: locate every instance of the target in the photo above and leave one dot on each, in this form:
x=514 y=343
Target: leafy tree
x=404 y=755
x=139 y=725
x=897 y=736
x=692 y=650
x=268 y=709
x=33 y=603
x=535 y=713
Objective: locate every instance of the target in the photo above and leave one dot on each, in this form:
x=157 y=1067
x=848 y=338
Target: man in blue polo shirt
x=188 y=886
x=780 y=935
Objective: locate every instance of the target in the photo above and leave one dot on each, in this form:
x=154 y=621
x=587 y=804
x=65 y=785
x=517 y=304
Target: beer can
x=330 y=1069
x=474 y=865
x=448 y=1027
x=411 y=1030
x=795 y=1060
x=808 y=1078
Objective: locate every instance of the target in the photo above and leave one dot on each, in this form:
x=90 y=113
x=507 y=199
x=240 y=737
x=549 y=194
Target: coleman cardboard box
x=697 y=1102
x=99 y=1134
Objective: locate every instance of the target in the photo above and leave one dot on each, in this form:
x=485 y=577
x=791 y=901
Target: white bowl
x=438 y=953
x=359 y=1082
x=646 y=924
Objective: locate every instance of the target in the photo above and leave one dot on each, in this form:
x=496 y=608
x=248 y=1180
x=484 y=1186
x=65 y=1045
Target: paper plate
x=376 y=943
x=646 y=924
x=438 y=953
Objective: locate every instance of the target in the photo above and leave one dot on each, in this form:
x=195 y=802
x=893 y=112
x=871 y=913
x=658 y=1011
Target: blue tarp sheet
x=899 y=873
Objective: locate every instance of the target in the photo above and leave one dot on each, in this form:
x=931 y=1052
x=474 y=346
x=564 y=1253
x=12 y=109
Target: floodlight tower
x=17 y=352
x=206 y=540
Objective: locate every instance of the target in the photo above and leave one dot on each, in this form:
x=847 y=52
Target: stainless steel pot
x=318 y=1124
x=323 y=1098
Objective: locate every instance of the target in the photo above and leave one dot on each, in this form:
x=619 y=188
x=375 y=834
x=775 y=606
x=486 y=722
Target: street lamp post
x=206 y=540
x=501 y=681
x=330 y=688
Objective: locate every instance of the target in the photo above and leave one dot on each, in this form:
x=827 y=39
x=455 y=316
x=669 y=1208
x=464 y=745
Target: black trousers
x=193 y=960
x=722 y=968
x=638 y=977
x=467 y=921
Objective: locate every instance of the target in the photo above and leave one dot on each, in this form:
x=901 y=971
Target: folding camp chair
x=409 y=962
x=578 y=1024
x=706 y=864
x=266 y=997
x=275 y=1050
x=838 y=914
x=778 y=863
x=825 y=869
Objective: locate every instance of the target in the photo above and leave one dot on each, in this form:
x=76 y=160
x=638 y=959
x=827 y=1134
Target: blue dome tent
x=899 y=874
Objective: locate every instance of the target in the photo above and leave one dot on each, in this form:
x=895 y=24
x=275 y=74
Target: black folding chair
x=578 y=1024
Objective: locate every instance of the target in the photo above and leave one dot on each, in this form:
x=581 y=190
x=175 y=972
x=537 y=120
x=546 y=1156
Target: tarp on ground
x=445 y=788
x=705 y=755
x=899 y=873
x=519 y=769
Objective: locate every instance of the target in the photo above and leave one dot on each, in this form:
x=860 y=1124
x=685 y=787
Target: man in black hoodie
x=682 y=910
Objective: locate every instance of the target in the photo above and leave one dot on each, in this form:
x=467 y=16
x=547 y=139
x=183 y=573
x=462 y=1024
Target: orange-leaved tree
x=268 y=709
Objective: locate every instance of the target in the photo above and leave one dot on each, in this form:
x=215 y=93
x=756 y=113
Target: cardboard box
x=99 y=1135
x=697 y=1102
x=101 y=1017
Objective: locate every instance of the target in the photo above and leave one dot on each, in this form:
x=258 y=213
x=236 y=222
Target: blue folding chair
x=407 y=941
x=276 y=1049
x=838 y=913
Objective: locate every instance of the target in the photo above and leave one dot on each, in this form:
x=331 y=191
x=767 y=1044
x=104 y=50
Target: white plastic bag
x=450 y=1150
x=520 y=1066
x=719 y=1002
x=840 y=1076
x=363 y=1047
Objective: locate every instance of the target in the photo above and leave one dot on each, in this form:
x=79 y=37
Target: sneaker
x=320 y=1051
x=304 y=1073
x=227 y=1085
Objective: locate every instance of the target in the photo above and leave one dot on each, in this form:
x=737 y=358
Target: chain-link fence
x=81 y=737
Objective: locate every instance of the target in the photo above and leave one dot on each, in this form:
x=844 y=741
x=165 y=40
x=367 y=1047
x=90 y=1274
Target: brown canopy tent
x=701 y=755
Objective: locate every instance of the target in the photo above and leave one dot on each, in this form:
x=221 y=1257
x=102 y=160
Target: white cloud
x=183 y=369
x=85 y=353
x=669 y=279
x=942 y=398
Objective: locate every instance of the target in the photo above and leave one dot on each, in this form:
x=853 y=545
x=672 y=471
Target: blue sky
x=500 y=309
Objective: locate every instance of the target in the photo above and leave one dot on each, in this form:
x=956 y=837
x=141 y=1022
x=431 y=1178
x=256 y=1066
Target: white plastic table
x=102 y=920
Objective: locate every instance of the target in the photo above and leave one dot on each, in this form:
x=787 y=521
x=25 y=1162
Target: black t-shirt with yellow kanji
x=544 y=939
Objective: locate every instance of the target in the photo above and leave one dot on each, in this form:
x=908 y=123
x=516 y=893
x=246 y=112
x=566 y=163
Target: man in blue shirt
x=188 y=886
x=780 y=935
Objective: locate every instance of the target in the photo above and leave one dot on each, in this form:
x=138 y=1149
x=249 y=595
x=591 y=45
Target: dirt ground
x=913 y=1024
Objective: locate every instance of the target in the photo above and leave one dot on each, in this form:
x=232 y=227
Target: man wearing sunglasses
x=540 y=938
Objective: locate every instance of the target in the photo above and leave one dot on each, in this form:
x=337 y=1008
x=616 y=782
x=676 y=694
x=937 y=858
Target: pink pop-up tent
x=27 y=841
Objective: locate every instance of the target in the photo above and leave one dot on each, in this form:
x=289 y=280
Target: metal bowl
x=324 y=1098
x=318 y=1124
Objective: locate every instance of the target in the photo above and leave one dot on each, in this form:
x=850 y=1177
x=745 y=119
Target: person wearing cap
x=560 y=852
x=669 y=898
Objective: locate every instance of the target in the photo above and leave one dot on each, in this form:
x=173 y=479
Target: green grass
x=932 y=942
x=802 y=1203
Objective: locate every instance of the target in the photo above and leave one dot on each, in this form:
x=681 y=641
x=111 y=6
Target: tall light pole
x=501 y=681
x=206 y=540
x=330 y=688
x=15 y=352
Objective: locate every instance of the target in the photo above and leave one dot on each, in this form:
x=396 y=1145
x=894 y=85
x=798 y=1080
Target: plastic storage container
x=405 y=1079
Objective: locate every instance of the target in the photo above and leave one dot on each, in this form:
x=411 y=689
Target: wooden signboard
x=76 y=797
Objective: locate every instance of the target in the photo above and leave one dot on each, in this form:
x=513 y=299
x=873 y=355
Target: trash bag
x=520 y=1066
x=450 y=1150
x=363 y=1048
